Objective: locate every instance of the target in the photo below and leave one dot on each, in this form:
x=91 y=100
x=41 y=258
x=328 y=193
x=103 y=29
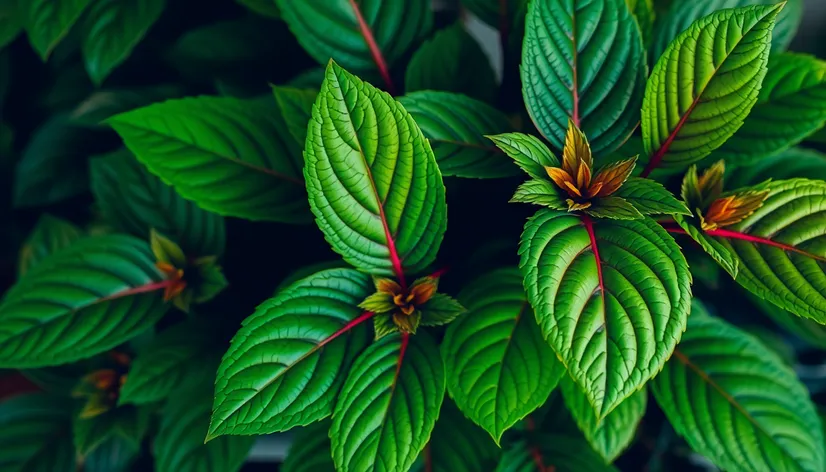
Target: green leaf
x=529 y=153
x=262 y=7
x=440 y=310
x=651 y=198
x=297 y=109
x=388 y=405
x=540 y=192
x=83 y=300
x=355 y=34
x=112 y=29
x=49 y=235
x=114 y=455
x=643 y=11
x=611 y=436
x=715 y=249
x=457 y=445
x=781 y=250
x=48 y=21
x=583 y=60
x=373 y=182
x=456 y=126
x=172 y=360
x=35 y=434
x=681 y=14
x=791 y=106
x=286 y=364
x=135 y=201
x=721 y=380
x=615 y=208
x=11 y=21
x=795 y=162
x=808 y=330
x=129 y=423
x=105 y=103
x=499 y=369
x=179 y=445
x=230 y=156
x=308 y=270
x=444 y=61
x=310 y=450
x=560 y=452
x=773 y=340
x=705 y=84
x=611 y=298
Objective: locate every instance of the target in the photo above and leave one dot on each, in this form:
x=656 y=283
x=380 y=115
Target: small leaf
x=615 y=208
x=529 y=153
x=440 y=310
x=718 y=251
x=285 y=366
x=35 y=434
x=296 y=108
x=49 y=235
x=583 y=60
x=499 y=369
x=457 y=445
x=388 y=405
x=795 y=162
x=372 y=179
x=540 y=192
x=48 y=21
x=626 y=284
x=129 y=423
x=232 y=157
x=456 y=126
x=705 y=84
x=651 y=198
x=443 y=63
x=112 y=29
x=722 y=380
x=81 y=301
x=611 y=436
x=310 y=450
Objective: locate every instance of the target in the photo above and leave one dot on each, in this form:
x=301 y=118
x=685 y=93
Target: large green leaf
x=135 y=201
x=791 y=106
x=11 y=21
x=583 y=60
x=310 y=450
x=179 y=445
x=286 y=364
x=48 y=21
x=457 y=445
x=808 y=330
x=795 y=162
x=736 y=403
x=499 y=368
x=360 y=34
x=388 y=405
x=373 y=182
x=456 y=127
x=296 y=108
x=611 y=436
x=444 y=62
x=682 y=13
x=552 y=452
x=35 y=434
x=49 y=235
x=112 y=29
x=705 y=84
x=528 y=152
x=611 y=297
x=126 y=422
x=715 y=249
x=230 y=156
x=650 y=197
x=80 y=301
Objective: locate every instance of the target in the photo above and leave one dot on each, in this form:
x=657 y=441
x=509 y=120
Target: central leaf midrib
x=508 y=345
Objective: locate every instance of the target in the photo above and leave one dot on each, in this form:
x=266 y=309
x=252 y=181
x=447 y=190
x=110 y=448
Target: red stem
x=140 y=289
x=440 y=272
x=16 y=384
x=536 y=454
x=402 y=350
x=589 y=226
x=352 y=324
x=375 y=51
x=728 y=234
x=428 y=459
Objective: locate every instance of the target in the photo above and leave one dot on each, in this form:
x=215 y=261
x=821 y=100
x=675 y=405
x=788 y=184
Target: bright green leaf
x=795 y=162
x=715 y=249
x=808 y=330
x=129 y=423
x=441 y=309
x=611 y=297
x=529 y=153
x=499 y=368
x=372 y=178
x=35 y=434
x=583 y=60
x=49 y=235
x=232 y=157
x=310 y=450
x=288 y=361
x=651 y=198
x=613 y=207
x=540 y=192
x=457 y=445
x=48 y=21
x=297 y=109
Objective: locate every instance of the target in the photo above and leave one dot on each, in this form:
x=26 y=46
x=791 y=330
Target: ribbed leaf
x=232 y=157
x=288 y=361
x=49 y=235
x=359 y=34
x=179 y=445
x=650 y=197
x=388 y=405
x=736 y=403
x=373 y=182
x=540 y=192
x=310 y=450
x=553 y=452
x=83 y=300
x=135 y=201
x=456 y=127
x=528 y=152
x=48 y=21
x=610 y=297
x=680 y=15
x=112 y=29
x=35 y=434
x=297 y=109
x=643 y=11
x=795 y=162
x=705 y=84
x=457 y=445
x=127 y=423
x=611 y=436
x=443 y=63
x=583 y=60
x=791 y=106
x=808 y=330
x=499 y=368
x=717 y=250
